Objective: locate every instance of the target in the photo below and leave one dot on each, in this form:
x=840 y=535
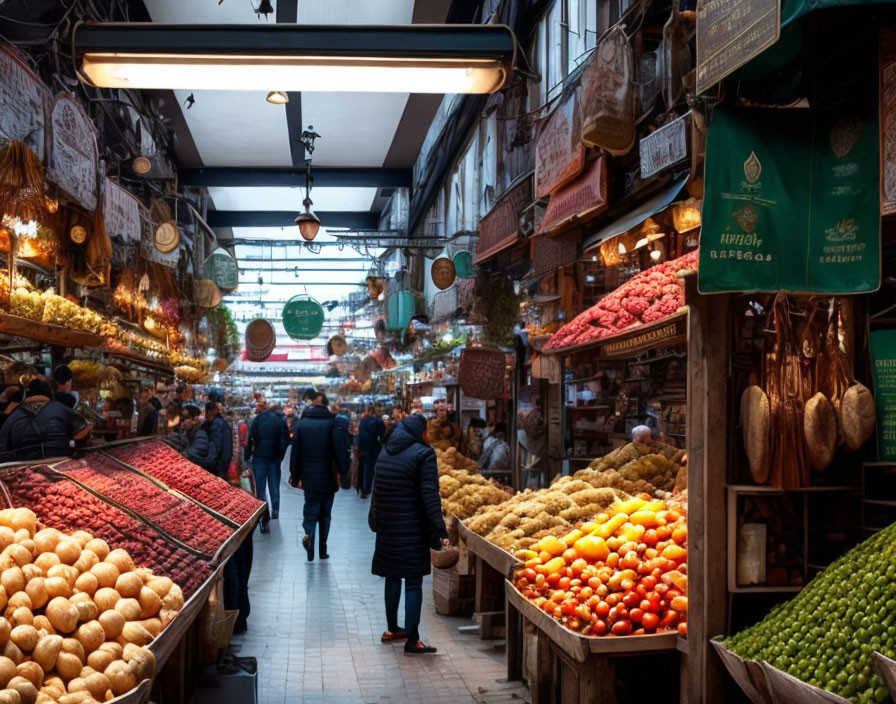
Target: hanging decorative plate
x=221 y=268
x=260 y=340
x=443 y=272
x=303 y=318
x=463 y=265
x=166 y=237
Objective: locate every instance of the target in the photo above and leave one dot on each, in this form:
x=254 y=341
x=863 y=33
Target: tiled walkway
x=315 y=627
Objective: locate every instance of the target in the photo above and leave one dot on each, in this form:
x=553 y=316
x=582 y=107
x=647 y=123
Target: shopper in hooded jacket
x=406 y=515
x=318 y=460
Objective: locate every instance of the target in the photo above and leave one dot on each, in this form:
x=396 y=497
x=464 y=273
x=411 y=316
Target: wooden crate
x=452 y=592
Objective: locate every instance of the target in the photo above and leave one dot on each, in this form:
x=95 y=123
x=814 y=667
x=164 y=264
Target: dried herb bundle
x=21 y=183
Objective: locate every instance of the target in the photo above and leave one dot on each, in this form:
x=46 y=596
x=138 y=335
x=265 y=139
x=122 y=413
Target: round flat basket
x=260 y=340
x=444 y=558
x=443 y=272
x=166 y=237
x=206 y=293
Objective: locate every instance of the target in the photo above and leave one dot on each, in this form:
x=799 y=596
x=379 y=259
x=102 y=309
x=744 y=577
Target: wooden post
x=514 y=643
x=540 y=689
x=707 y=408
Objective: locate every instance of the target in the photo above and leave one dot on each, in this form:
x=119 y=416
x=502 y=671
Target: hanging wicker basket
x=482 y=372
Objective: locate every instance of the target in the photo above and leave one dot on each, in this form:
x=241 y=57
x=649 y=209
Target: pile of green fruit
x=826 y=634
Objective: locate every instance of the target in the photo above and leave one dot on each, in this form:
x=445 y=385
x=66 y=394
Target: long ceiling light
x=405 y=59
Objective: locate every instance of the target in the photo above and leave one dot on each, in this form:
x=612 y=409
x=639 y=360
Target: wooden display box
x=564 y=667
x=452 y=592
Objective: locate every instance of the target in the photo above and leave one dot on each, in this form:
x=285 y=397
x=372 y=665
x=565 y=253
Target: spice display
x=181 y=519
x=464 y=493
x=62 y=504
x=77 y=614
x=648 y=297
x=87 y=374
x=523 y=520
x=638 y=468
x=624 y=573
x=825 y=635
x=158 y=460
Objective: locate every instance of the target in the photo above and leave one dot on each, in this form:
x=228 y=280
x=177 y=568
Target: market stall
x=148 y=530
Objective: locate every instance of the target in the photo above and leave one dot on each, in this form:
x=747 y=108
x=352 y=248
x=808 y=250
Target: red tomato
x=530 y=574
x=683 y=629
x=650 y=621
x=583 y=612
x=649 y=537
x=622 y=627
x=631 y=599
x=553 y=579
x=594 y=582
x=586 y=593
x=563 y=583
x=578 y=565
x=630 y=561
x=598 y=627
x=680 y=534
x=636 y=615
x=669 y=618
x=540 y=581
x=602 y=609
x=648 y=583
x=574 y=624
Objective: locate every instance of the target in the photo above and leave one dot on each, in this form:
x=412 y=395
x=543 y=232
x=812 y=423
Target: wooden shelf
x=46 y=332
x=668 y=332
x=757 y=489
x=880 y=502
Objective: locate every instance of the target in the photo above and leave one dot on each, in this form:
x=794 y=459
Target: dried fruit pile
x=181 y=519
x=625 y=573
x=638 y=468
x=63 y=505
x=165 y=464
x=648 y=297
x=76 y=615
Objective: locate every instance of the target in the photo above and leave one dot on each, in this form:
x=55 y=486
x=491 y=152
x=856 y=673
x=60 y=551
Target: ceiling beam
x=361 y=219
x=288 y=13
x=326 y=177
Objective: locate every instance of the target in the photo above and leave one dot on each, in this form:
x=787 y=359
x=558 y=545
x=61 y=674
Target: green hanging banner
x=883 y=369
x=400 y=307
x=791 y=203
x=303 y=318
x=221 y=268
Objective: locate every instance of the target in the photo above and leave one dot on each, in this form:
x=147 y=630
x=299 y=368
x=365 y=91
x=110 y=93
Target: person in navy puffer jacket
x=267 y=443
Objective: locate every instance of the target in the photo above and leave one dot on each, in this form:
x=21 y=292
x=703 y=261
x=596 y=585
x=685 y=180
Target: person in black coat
x=406 y=515
x=267 y=443
x=319 y=456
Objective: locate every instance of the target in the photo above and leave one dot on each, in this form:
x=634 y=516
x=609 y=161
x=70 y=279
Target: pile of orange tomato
x=625 y=573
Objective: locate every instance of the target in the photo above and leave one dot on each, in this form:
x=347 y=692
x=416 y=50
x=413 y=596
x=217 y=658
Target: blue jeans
x=369 y=459
x=317 y=510
x=267 y=476
x=413 y=603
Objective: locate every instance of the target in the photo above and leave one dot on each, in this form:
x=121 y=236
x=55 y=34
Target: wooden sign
x=121 y=212
x=500 y=228
x=303 y=318
x=443 y=273
x=887 y=121
x=732 y=32
x=23 y=102
x=665 y=147
x=222 y=268
x=665 y=333
x=73 y=160
x=584 y=197
x=608 y=95
x=559 y=152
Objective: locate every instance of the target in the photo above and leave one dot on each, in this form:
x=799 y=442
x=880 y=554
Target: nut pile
x=76 y=615
x=464 y=493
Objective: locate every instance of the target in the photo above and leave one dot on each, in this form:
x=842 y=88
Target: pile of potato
x=76 y=615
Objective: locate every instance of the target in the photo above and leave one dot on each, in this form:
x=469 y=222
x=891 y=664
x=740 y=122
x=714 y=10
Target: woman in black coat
x=406 y=515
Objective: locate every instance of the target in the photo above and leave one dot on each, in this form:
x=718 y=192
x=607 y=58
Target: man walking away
x=406 y=515
x=318 y=460
x=268 y=440
x=371 y=430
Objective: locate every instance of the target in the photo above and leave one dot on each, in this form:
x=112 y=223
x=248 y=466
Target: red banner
x=584 y=197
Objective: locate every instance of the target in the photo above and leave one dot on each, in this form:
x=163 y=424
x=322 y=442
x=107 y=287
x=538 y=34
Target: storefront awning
x=635 y=217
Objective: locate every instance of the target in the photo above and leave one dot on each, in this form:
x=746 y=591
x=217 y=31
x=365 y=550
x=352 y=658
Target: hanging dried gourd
x=857 y=416
x=820 y=430
x=754 y=419
x=21 y=183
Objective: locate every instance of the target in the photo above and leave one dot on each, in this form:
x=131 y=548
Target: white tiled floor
x=315 y=627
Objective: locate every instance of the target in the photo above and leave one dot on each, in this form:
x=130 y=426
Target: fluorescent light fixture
x=407 y=58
